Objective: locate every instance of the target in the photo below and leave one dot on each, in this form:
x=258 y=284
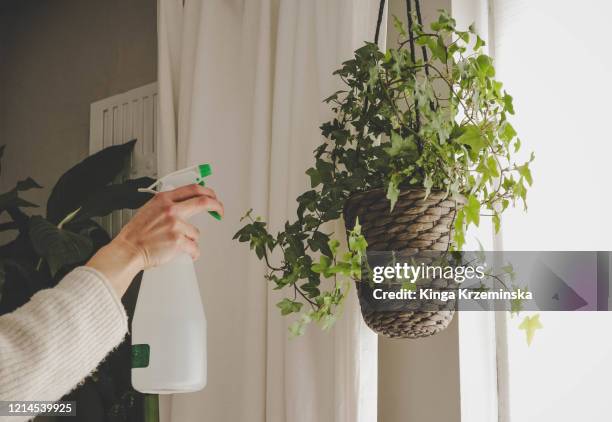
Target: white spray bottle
x=169 y=325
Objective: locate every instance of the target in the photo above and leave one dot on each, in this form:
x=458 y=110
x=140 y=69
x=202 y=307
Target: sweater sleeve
x=49 y=345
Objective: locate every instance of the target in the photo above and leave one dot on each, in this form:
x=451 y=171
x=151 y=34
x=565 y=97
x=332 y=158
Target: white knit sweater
x=49 y=345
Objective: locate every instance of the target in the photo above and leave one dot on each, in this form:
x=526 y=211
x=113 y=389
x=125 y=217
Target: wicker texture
x=417 y=226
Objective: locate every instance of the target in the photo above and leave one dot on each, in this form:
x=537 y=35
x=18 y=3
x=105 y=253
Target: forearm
x=59 y=337
x=119 y=262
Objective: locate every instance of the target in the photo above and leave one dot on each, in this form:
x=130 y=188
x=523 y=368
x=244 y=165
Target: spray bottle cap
x=202 y=171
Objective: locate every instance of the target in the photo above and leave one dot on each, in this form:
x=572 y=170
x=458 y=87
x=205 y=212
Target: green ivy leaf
x=473 y=137
x=472 y=211
x=479 y=43
x=438 y=49
x=333 y=246
x=508 y=106
x=485 y=66
x=516 y=305
x=496 y=222
x=328 y=321
x=459 y=235
x=393 y=192
x=322 y=266
x=399 y=145
x=492 y=166
x=319 y=242
x=288 y=306
x=315 y=178
x=296 y=329
x=507 y=132
x=526 y=173
x=530 y=325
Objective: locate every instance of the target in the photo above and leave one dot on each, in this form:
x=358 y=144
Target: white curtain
x=549 y=56
x=241 y=87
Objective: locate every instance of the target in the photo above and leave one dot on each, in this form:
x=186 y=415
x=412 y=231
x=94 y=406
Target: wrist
x=119 y=262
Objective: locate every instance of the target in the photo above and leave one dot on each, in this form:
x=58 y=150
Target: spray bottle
x=169 y=325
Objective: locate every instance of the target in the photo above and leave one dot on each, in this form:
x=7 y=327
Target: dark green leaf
x=11 y=199
x=91 y=174
x=27 y=184
x=115 y=197
x=315 y=178
x=57 y=246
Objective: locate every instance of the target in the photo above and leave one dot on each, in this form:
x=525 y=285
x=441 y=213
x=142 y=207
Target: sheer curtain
x=241 y=87
x=553 y=58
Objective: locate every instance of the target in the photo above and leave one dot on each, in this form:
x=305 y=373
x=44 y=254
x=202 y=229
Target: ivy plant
x=430 y=119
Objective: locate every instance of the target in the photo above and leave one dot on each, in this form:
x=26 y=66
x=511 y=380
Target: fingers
x=188 y=230
x=194 y=206
x=190 y=191
x=190 y=247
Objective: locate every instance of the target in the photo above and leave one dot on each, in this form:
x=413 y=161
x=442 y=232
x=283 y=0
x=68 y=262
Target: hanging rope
x=410 y=30
x=411 y=41
x=381 y=10
x=417 y=4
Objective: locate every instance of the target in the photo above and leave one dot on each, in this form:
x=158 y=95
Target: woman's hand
x=157 y=233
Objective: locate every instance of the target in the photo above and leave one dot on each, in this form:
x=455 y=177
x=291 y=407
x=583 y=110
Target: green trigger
x=205 y=171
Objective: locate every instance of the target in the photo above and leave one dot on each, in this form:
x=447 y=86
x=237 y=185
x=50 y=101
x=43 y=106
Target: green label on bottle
x=140 y=355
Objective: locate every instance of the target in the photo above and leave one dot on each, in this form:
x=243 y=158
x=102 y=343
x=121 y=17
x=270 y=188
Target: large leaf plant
x=45 y=248
x=428 y=114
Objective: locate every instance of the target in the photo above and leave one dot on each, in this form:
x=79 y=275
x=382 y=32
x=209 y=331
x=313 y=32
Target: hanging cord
x=381 y=10
x=417 y=4
x=417 y=113
x=410 y=30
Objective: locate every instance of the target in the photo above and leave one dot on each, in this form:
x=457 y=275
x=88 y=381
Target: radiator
x=118 y=119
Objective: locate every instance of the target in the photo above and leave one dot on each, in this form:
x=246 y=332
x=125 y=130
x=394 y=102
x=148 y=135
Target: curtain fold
x=241 y=87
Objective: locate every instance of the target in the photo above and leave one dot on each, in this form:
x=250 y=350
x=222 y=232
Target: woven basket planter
x=415 y=227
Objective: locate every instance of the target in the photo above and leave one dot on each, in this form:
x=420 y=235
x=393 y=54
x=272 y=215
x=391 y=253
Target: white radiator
x=118 y=119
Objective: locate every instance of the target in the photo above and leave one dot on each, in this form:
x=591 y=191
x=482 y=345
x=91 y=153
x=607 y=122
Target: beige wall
x=56 y=57
x=418 y=380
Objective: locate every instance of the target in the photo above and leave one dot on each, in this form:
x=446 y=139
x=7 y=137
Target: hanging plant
x=420 y=147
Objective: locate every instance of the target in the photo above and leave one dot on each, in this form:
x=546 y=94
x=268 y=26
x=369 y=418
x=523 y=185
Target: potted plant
x=420 y=147
x=45 y=248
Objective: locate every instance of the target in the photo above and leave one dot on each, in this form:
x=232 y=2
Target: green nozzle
x=206 y=170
